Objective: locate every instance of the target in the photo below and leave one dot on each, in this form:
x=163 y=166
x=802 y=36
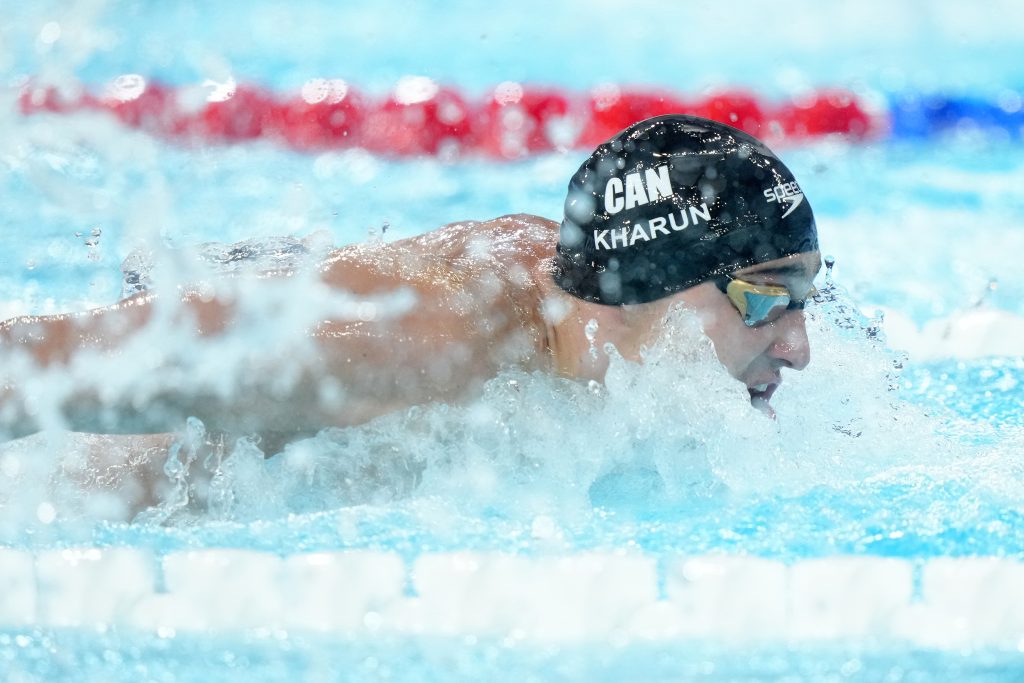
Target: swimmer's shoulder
x=522 y=240
x=454 y=239
x=504 y=234
x=519 y=245
x=515 y=241
x=527 y=230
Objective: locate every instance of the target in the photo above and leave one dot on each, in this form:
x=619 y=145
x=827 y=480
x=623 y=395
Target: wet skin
x=484 y=299
x=753 y=355
x=756 y=355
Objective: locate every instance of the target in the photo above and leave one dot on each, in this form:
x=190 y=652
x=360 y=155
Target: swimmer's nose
x=791 y=344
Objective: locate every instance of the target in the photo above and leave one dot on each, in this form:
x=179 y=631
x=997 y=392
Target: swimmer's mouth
x=760 y=394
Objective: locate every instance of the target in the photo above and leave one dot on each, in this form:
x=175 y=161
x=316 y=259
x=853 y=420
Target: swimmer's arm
x=342 y=350
x=455 y=335
x=53 y=341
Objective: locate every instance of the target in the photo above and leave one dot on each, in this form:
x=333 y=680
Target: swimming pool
x=643 y=531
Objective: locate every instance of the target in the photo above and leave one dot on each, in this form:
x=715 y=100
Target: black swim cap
x=674 y=201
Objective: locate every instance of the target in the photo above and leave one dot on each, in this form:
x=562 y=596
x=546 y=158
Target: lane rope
x=513 y=120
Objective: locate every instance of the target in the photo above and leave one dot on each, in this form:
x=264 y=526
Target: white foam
x=973 y=333
x=534 y=445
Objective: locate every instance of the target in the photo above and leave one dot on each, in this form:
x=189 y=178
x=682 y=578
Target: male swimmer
x=672 y=209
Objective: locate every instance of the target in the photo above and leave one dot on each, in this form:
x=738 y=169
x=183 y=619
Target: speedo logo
x=785 y=193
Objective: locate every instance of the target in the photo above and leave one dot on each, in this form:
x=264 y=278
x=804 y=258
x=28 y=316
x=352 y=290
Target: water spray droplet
x=213 y=459
x=544 y=528
x=46 y=512
x=590 y=332
x=990 y=287
x=50 y=33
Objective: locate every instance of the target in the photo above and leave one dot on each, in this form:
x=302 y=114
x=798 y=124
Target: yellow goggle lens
x=759 y=304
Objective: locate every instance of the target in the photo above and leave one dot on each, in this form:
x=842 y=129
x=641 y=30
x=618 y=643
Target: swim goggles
x=760 y=304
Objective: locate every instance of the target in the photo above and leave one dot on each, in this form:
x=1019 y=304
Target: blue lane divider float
x=926 y=116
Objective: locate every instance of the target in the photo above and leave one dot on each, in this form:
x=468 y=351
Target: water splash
x=672 y=432
x=669 y=431
x=252 y=256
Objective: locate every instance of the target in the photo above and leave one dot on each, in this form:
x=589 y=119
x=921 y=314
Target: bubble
x=1009 y=101
x=415 y=89
x=50 y=33
x=46 y=512
x=508 y=92
x=10 y=465
x=220 y=91
x=579 y=208
x=315 y=90
x=372 y=621
x=544 y=528
x=126 y=87
x=366 y=311
x=590 y=332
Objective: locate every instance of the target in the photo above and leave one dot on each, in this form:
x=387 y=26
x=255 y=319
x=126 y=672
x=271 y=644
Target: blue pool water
x=907 y=450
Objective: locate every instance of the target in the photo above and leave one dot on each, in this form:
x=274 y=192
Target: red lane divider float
x=421 y=117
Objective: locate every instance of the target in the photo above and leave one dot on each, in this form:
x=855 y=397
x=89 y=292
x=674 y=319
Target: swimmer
x=674 y=209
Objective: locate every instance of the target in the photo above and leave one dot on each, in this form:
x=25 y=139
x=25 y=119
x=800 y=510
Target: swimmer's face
x=756 y=355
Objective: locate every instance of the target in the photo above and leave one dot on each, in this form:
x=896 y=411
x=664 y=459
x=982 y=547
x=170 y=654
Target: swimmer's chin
x=760 y=397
